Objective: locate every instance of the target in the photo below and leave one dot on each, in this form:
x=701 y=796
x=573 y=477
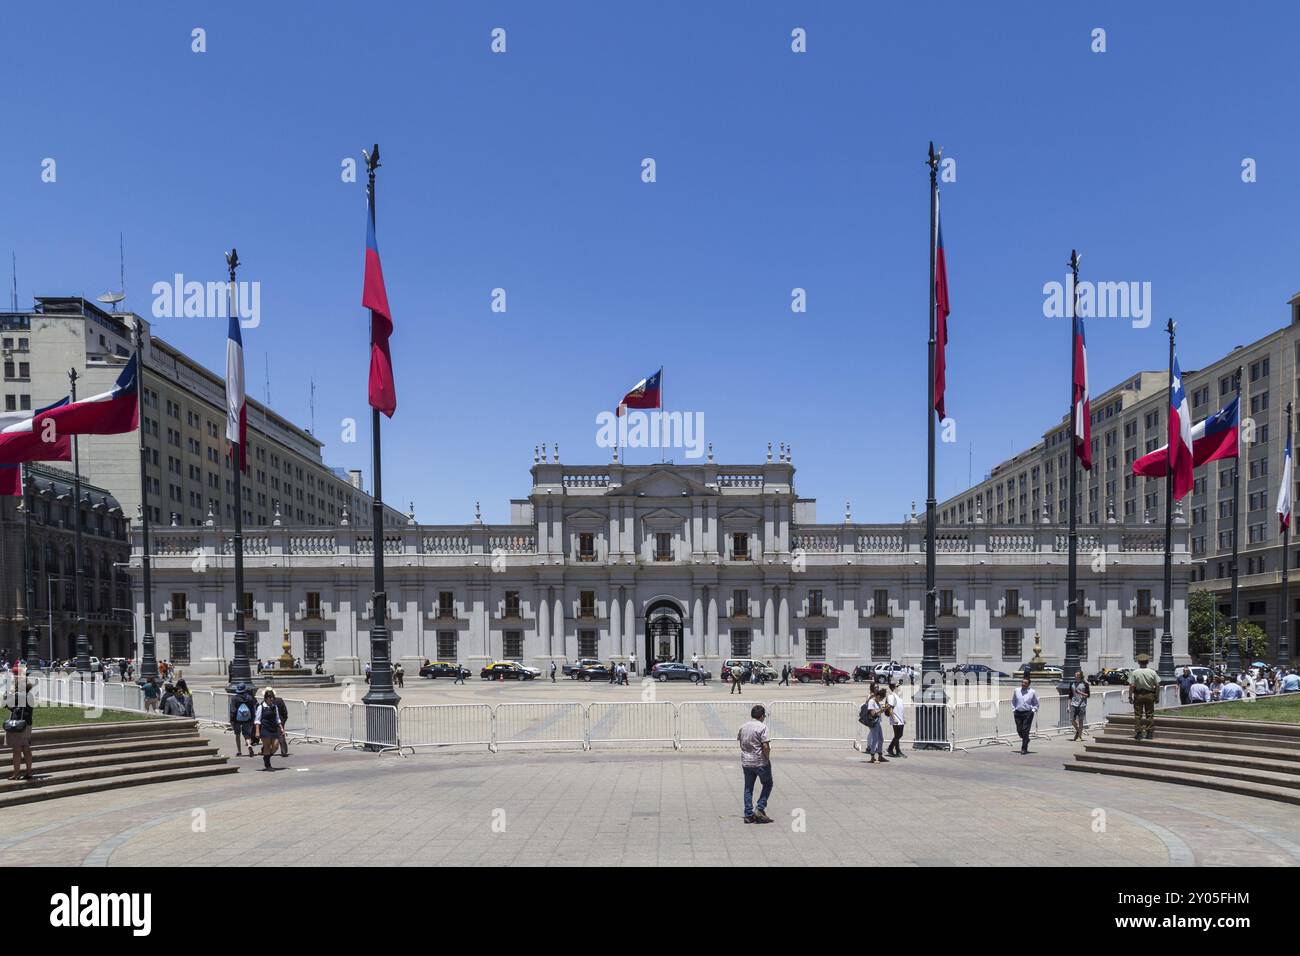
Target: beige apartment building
x=1130 y=420
x=189 y=475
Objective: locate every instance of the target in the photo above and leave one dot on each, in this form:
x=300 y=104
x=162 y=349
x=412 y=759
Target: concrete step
x=1212 y=750
x=1170 y=731
x=1178 y=762
x=198 y=748
x=1188 y=779
x=81 y=773
x=165 y=743
x=1221 y=725
x=53 y=791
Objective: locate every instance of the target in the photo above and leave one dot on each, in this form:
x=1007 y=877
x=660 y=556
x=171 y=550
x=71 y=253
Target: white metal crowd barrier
x=632 y=722
x=531 y=725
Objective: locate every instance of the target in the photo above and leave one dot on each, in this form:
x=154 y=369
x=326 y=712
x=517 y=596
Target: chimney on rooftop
x=354 y=478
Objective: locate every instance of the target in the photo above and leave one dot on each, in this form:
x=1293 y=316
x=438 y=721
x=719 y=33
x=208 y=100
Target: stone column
x=630 y=629
x=698 y=645
x=769 y=622
x=713 y=621
x=561 y=639
x=616 y=621
x=783 y=622
x=544 y=620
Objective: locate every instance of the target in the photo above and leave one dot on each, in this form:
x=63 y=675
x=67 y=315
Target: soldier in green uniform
x=1144 y=688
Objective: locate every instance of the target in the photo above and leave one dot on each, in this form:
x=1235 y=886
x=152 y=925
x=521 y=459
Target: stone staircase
x=87 y=758
x=1251 y=758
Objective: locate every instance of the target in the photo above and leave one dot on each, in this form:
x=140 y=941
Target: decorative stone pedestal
x=284 y=674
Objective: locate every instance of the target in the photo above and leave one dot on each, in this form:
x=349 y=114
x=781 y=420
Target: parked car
x=900 y=672
x=980 y=669
x=816 y=670
x=764 y=672
x=436 y=669
x=593 y=671
x=676 y=670
x=1200 y=673
x=1110 y=675
x=571 y=670
x=863 y=672
x=506 y=670
x=1051 y=670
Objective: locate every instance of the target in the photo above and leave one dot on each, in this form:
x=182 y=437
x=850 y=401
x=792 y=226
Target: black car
x=571 y=670
x=863 y=672
x=594 y=671
x=980 y=669
x=676 y=670
x=441 y=669
x=506 y=670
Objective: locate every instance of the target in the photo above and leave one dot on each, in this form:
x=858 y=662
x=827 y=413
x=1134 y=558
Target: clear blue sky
x=775 y=170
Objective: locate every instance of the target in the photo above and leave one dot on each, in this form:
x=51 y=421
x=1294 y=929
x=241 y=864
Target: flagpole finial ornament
x=478 y=514
x=1170 y=326
x=534 y=454
x=232 y=260
x=372 y=160
x=710 y=451
x=769 y=451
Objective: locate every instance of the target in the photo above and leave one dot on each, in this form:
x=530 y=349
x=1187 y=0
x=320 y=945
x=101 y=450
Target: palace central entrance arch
x=664 y=632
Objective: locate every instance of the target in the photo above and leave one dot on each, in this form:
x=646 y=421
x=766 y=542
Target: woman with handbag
x=18 y=728
x=877 y=712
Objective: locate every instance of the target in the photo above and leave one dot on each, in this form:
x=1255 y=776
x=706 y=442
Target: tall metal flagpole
x=381 y=691
x=1283 y=643
x=1166 y=666
x=29 y=651
x=932 y=721
x=79 y=572
x=1234 y=645
x=1072 y=577
x=145 y=655
x=240 y=672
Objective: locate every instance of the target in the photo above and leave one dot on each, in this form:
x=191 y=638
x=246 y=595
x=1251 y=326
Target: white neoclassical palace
x=663 y=561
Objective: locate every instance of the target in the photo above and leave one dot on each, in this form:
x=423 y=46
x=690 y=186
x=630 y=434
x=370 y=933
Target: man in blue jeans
x=756 y=762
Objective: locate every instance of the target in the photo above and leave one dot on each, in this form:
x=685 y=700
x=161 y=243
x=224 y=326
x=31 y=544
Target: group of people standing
x=884 y=707
x=257 y=722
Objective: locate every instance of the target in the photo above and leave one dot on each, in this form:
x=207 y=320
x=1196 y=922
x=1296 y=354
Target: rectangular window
x=740 y=603
x=1083 y=645
x=586 y=604
x=313 y=646
x=740 y=641
x=447 y=646
x=740 y=546
x=1013 y=604
x=815 y=607
x=446 y=604
x=881 y=649
x=1012 y=638
x=512 y=604
x=512 y=645
x=663 y=546
x=586 y=546
x=179 y=648
x=880 y=603
x=1144 y=601
x=816 y=645
x=1142 y=642
x=588 y=646
x=945 y=603
x=180 y=608
x=948 y=644
x=248 y=609
x=313 y=604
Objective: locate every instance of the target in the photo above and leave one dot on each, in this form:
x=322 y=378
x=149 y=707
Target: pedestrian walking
x=826 y=674
x=613 y=672
x=872 y=714
x=1024 y=707
x=266 y=723
x=756 y=763
x=242 y=710
x=552 y=671
x=172 y=705
x=151 y=694
x=367 y=673
x=461 y=671
x=1143 y=688
x=1185 y=682
x=1080 y=691
x=695 y=660
x=399 y=675
x=737 y=674
x=20 y=700
x=897 y=718
x=186 y=698
x=631 y=662
x=282 y=710
x=785 y=676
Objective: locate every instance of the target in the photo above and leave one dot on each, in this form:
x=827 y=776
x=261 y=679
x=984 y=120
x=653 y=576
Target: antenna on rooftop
x=312 y=403
x=266 y=358
x=113 y=298
x=13 y=275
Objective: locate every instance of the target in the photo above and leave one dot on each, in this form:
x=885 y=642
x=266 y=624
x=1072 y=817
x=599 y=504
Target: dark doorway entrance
x=664 y=638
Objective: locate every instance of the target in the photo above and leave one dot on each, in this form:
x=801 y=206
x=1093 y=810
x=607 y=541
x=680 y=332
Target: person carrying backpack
x=242 y=711
x=282 y=709
x=266 y=723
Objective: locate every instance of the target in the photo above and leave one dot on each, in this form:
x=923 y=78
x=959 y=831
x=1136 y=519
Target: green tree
x=1204 y=620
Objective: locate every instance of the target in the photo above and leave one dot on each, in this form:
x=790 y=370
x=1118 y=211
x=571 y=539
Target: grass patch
x=67 y=716
x=1284 y=709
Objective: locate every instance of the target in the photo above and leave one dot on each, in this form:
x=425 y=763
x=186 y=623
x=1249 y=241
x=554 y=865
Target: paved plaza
x=986 y=807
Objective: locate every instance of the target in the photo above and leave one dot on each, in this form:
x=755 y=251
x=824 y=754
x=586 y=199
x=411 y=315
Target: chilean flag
x=1212 y=439
x=1284 y=493
x=236 y=400
x=20 y=441
x=374 y=296
x=108 y=413
x=1180 y=436
x=941 y=309
x=646 y=393
x=1082 y=402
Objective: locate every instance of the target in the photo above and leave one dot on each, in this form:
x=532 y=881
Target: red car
x=817 y=671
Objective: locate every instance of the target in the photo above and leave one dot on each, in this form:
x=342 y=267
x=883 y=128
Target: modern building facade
x=184 y=418
x=663 y=562
x=51 y=562
x=1130 y=420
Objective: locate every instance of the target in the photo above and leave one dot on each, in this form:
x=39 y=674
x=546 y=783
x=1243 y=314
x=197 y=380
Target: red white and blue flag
x=1213 y=438
x=236 y=400
x=1284 y=493
x=374 y=296
x=1180 y=435
x=21 y=442
x=108 y=413
x=1082 y=403
x=941 y=310
x=647 y=393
